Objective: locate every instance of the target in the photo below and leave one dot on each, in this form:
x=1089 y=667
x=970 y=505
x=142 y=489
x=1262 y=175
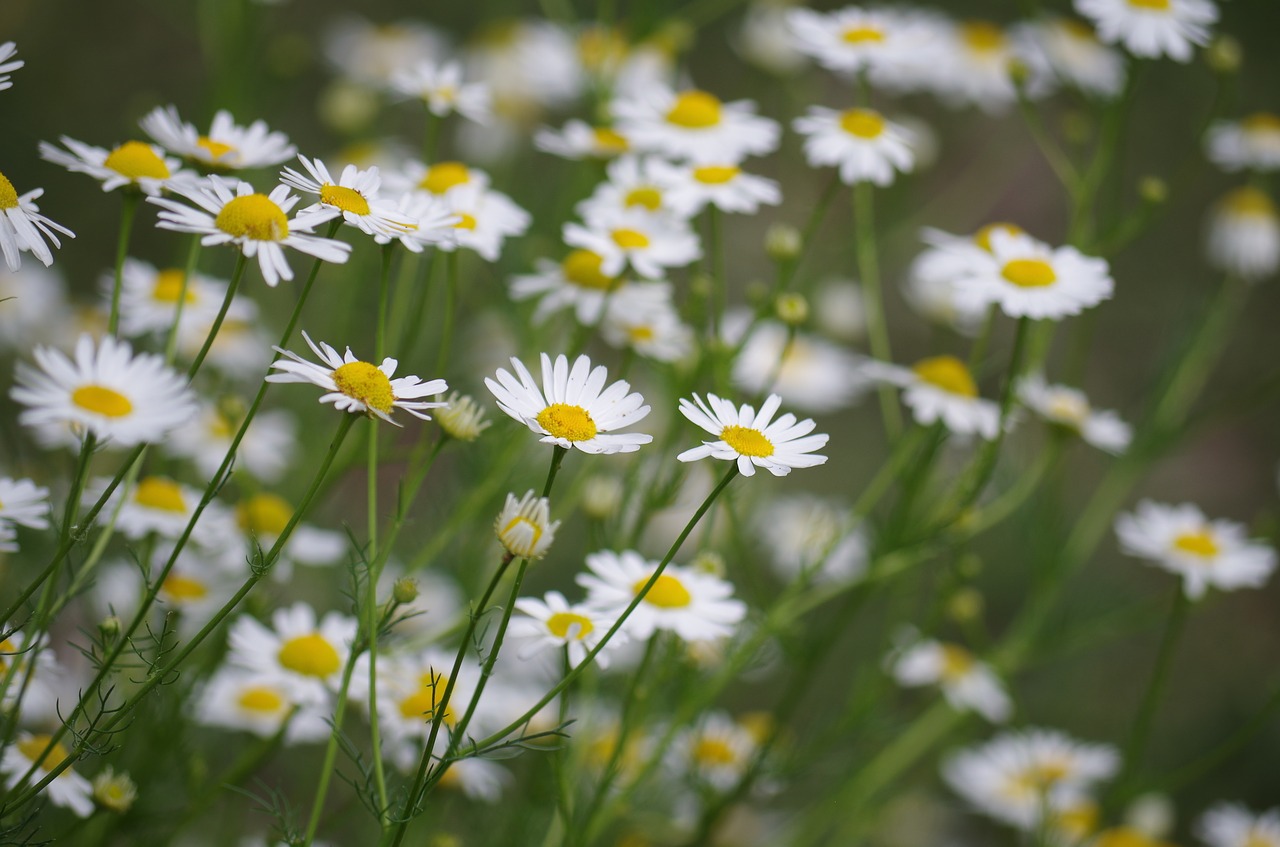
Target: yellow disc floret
x=346 y=199
x=259 y=698
x=667 y=592
x=264 y=514
x=956 y=661
x=33 y=749
x=8 y=194
x=983 y=236
x=102 y=401
x=713 y=752
x=610 y=141
x=630 y=239
x=646 y=196
x=746 y=441
x=572 y=423
x=560 y=623
x=862 y=123
x=217 y=150
x=982 y=36
x=366 y=383
x=1249 y=202
x=1154 y=5
x=253 y=216
x=695 y=110
x=310 y=655
x=135 y=160
x=169 y=285
x=157 y=492
x=582 y=268
x=947 y=373
x=1200 y=543
x=862 y=35
x=465 y=221
x=183 y=589
x=442 y=176
x=1261 y=122
x=1029 y=273
x=716 y=174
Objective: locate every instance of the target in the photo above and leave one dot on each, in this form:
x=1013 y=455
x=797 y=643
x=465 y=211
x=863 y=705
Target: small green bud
x=114 y=791
x=792 y=309
x=965 y=605
x=782 y=242
x=709 y=562
x=700 y=286
x=1224 y=55
x=1153 y=189
x=405 y=590
x=109 y=627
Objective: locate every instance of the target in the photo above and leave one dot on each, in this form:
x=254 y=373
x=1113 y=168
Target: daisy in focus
x=1234 y=825
x=1152 y=28
x=1244 y=234
x=694 y=125
x=553 y=623
x=572 y=408
x=8 y=64
x=1069 y=407
x=753 y=439
x=862 y=143
x=1252 y=143
x=131 y=164
x=69 y=789
x=1205 y=553
x=940 y=388
x=358 y=387
x=227 y=145
x=442 y=88
x=967 y=683
x=1027 y=278
x=352 y=197
x=23 y=228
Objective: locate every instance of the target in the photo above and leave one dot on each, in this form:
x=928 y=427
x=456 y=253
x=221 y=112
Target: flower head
x=133 y=164
x=1027 y=278
x=8 y=64
x=1244 y=234
x=226 y=146
x=442 y=88
x=1250 y=143
x=940 y=388
x=39 y=754
x=694 y=124
x=352 y=197
x=462 y=418
x=525 y=527
x=753 y=439
x=1152 y=28
x=1069 y=407
x=967 y=683
x=553 y=622
x=23 y=228
x=862 y=143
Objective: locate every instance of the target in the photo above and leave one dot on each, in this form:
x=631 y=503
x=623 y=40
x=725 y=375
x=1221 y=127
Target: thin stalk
x=331 y=751
x=236 y=276
x=864 y=234
x=374 y=559
x=193 y=257
x=450 y=295
x=384 y=284
x=130 y=198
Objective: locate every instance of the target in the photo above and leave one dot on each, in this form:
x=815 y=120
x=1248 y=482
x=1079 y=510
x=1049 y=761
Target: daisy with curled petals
x=1234 y=825
x=524 y=526
x=105 y=390
x=300 y=648
x=1027 y=278
x=572 y=408
x=1069 y=407
x=257 y=224
x=355 y=386
x=428 y=222
x=1152 y=28
x=580 y=140
x=352 y=197
x=1244 y=234
x=131 y=164
x=864 y=145
x=1204 y=552
x=442 y=89
x=23 y=502
x=554 y=623
x=941 y=388
x=39 y=755
x=753 y=440
x=646 y=243
x=967 y=683
x=695 y=125
x=227 y=146
x=725 y=186
x=7 y=65
x=1252 y=143
x=23 y=228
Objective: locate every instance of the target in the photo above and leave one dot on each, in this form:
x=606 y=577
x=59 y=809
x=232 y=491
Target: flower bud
x=405 y=590
x=1153 y=189
x=792 y=309
x=709 y=562
x=115 y=792
x=965 y=605
x=462 y=419
x=782 y=242
x=524 y=527
x=601 y=497
x=109 y=627
x=1224 y=55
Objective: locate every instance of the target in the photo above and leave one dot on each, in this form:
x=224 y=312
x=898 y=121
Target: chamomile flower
x=753 y=439
x=804 y=534
x=717 y=752
x=198 y=584
x=8 y=64
x=159 y=504
x=579 y=140
x=1152 y=28
x=1252 y=143
x=696 y=606
x=1205 y=553
x=411 y=689
x=371 y=53
x=940 y=388
x=35 y=306
x=810 y=373
x=1234 y=825
x=257 y=224
x=635 y=184
x=352 y=197
x=553 y=623
x=572 y=408
x=725 y=186
x=973 y=66
x=890 y=45
x=646 y=243
x=132 y=164
x=227 y=146
x=967 y=683
x=260 y=704
x=68 y=789
x=764 y=40
x=1027 y=278
x=149 y=297
x=23 y=228
x=641 y=317
x=441 y=87
x=1067 y=51
x=39 y=704
x=1069 y=407
x=438 y=180
x=695 y=125
x=484 y=219
x=265 y=452
x=355 y=386
x=306 y=652
x=1244 y=234
x=462 y=418
x=524 y=526
x=105 y=390
x=263 y=517
x=428 y=222
x=24 y=503
x=862 y=143
x=576 y=282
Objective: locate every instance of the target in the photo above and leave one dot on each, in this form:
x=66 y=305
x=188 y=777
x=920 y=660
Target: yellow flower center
x=534 y=529
x=956 y=661
x=572 y=423
x=465 y=221
x=1257 y=839
x=1029 y=273
x=1154 y=5
x=601 y=46
x=982 y=36
x=215 y=149
x=983 y=236
x=156 y=492
x=695 y=110
x=713 y=752
x=640 y=334
x=559 y=624
x=310 y=655
x=168 y=287
x=716 y=174
x=7 y=648
x=1199 y=543
x=422 y=703
x=366 y=383
x=102 y=401
x=1249 y=202
x=1068 y=409
x=947 y=373
x=346 y=199
x=442 y=176
x=610 y=141
x=34 y=747
x=1123 y=836
x=8 y=194
x=253 y=216
x=630 y=239
x=183 y=589
x=1261 y=122
x=645 y=196
x=264 y=514
x=582 y=268
x=747 y=441
x=259 y=698
x=862 y=123
x=135 y=159
x=862 y=35
x=668 y=592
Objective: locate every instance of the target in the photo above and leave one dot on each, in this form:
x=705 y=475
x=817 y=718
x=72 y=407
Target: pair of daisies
x=1244 y=226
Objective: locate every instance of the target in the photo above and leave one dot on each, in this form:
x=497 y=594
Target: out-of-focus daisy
x=304 y=651
x=1027 y=278
x=524 y=526
x=888 y=44
x=411 y=689
x=260 y=704
x=114 y=791
x=935 y=273
x=484 y=220
x=940 y=388
x=371 y=53
x=352 y=197
x=725 y=186
x=441 y=87
x=717 y=752
x=973 y=68
x=576 y=281
x=1066 y=51
x=840 y=310
x=764 y=40
x=355 y=386
x=68 y=789
x=1069 y=407
x=438 y=179
x=695 y=606
x=149 y=298
x=695 y=125
x=967 y=683
x=862 y=143
x=263 y=517
x=635 y=184
x=579 y=140
x=134 y=164
x=1252 y=143
x=257 y=224
x=265 y=451
x=24 y=503
x=803 y=533
x=428 y=222
x=1203 y=552
x=1152 y=28
x=195 y=588
x=641 y=317
x=810 y=373
x=572 y=408
x=105 y=390
x=8 y=64
x=1234 y=825
x=634 y=238
x=554 y=623
x=753 y=439
x=23 y=228
x=462 y=418
x=530 y=64
x=227 y=145
x=1244 y=234
x=159 y=504
x=35 y=306
x=45 y=680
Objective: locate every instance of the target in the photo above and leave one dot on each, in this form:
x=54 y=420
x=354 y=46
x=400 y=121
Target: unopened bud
x=525 y=527
x=405 y=590
x=109 y=627
x=1019 y=73
x=601 y=497
x=1152 y=814
x=965 y=605
x=114 y=791
x=709 y=562
x=1224 y=55
x=701 y=285
x=782 y=242
x=1153 y=189
x=792 y=309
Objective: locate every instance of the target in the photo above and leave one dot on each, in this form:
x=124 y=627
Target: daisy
x=864 y=145
x=35 y=306
x=263 y=517
x=352 y=197
x=132 y=164
x=159 y=504
x=888 y=44
x=717 y=752
x=696 y=606
x=227 y=146
x=695 y=125
x=1204 y=552
x=810 y=373
x=23 y=228
x=941 y=388
x=427 y=219
x=753 y=440
x=968 y=684
x=462 y=418
x=572 y=408
x=305 y=652
x=149 y=298
x=411 y=689
x=1252 y=143
x=554 y=623
x=260 y=704
x=634 y=238
x=7 y=51
x=579 y=140
x=484 y=220
x=1244 y=234
x=764 y=40
x=1027 y=278
x=371 y=53
x=114 y=791
x=1152 y=28
x=68 y=789
x=725 y=186
x=45 y=686
x=440 y=86
x=265 y=452
x=576 y=282
x=635 y=184
x=105 y=390
x=935 y=274
x=257 y=224
x=438 y=180
x=1234 y=825
x=1065 y=50
x=641 y=317
x=197 y=585
x=355 y=386
x=24 y=503
x=808 y=535
x=524 y=526
x=972 y=66
x=1069 y=407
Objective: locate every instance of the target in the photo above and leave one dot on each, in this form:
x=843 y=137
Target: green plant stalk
x=193 y=258
x=864 y=236
x=719 y=281
x=375 y=560
x=384 y=290
x=236 y=276
x=130 y=198
x=331 y=751
x=450 y=296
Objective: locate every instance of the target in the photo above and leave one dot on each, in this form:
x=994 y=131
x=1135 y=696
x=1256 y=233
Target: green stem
x=193 y=257
x=128 y=210
x=869 y=271
x=236 y=276
x=331 y=751
x=450 y=295
x=384 y=284
x=374 y=560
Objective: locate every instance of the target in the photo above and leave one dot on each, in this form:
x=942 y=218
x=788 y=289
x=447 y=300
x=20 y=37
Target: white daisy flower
x=696 y=606
x=524 y=526
x=35 y=306
x=263 y=516
x=1152 y=28
x=46 y=681
x=635 y=184
x=646 y=243
x=717 y=752
x=1069 y=407
x=411 y=688
x=576 y=282
x=441 y=87
x=304 y=652
x=265 y=452
x=24 y=503
x=763 y=40
x=159 y=504
x=438 y=179
x=807 y=534
x=810 y=373
x=260 y=704
x=257 y=224
x=1206 y=553
x=580 y=140
x=1027 y=278
x=7 y=63
x=428 y=221
x=947 y=260
x=149 y=297
x=862 y=143
x=530 y=64
x=572 y=408
x=68 y=789
x=371 y=53
x=1067 y=51
x=462 y=418
x=695 y=125
x=485 y=219
x=355 y=386
x=477 y=779
x=892 y=46
x=106 y=390
x=967 y=683
x=1234 y=825
x=23 y=228
x=750 y=439
x=227 y=145
x=553 y=623
x=1244 y=234
x=725 y=186
x=196 y=587
x=940 y=388
x=641 y=317
x=132 y=164
x=972 y=68
x=1252 y=143
x=352 y=197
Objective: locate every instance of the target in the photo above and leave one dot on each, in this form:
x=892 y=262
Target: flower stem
x=864 y=233
x=193 y=256
x=450 y=295
x=128 y=211
x=236 y=276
